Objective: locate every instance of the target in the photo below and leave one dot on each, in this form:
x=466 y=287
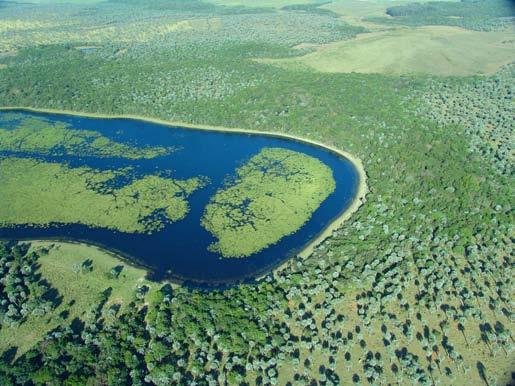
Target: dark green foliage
x=467 y=8
x=181 y=336
x=22 y=290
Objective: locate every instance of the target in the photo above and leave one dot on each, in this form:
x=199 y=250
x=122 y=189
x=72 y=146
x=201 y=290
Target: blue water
x=179 y=251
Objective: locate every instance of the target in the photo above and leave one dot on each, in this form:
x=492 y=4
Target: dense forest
x=416 y=288
x=22 y=290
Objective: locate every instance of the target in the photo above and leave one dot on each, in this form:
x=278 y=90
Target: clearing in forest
x=437 y=50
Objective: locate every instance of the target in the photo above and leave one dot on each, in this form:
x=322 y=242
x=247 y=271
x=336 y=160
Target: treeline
x=311 y=8
x=197 y=7
x=22 y=290
x=482 y=15
x=158 y=31
x=464 y=8
x=169 y=338
x=178 y=5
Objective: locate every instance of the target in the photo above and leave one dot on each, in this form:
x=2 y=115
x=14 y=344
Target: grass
x=436 y=50
x=274 y=194
x=79 y=291
x=9 y=25
x=42 y=193
x=374 y=337
x=355 y=11
x=201 y=24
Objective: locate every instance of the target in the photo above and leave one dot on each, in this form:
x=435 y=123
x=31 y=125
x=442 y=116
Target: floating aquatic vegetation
x=44 y=193
x=272 y=196
x=38 y=135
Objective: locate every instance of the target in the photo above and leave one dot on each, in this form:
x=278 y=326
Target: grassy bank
x=436 y=50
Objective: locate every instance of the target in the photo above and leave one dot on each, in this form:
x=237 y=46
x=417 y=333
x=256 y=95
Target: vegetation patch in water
x=38 y=135
x=42 y=193
x=272 y=196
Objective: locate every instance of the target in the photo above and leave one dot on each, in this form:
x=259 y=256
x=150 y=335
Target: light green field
x=437 y=50
x=366 y=8
x=37 y=135
x=42 y=193
x=84 y=289
x=274 y=194
x=354 y=11
x=359 y=8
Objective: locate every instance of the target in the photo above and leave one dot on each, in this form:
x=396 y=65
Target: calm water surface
x=180 y=251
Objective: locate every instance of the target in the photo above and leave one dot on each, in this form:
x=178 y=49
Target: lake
x=180 y=251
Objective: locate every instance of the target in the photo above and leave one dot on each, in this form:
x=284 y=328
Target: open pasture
x=436 y=50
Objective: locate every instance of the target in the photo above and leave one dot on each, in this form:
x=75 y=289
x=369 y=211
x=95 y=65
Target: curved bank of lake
x=180 y=251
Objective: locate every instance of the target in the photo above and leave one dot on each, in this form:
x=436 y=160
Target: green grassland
x=437 y=50
x=42 y=193
x=416 y=288
x=357 y=8
x=273 y=195
x=37 y=135
x=357 y=12
x=80 y=289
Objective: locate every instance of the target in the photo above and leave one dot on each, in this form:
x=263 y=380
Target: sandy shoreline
x=358 y=200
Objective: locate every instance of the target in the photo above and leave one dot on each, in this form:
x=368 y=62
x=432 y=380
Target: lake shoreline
x=358 y=200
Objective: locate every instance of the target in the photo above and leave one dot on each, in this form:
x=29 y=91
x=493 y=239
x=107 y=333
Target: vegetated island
x=38 y=135
x=272 y=196
x=43 y=193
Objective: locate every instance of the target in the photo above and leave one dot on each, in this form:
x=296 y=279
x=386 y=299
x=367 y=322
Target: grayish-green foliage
x=485 y=107
x=415 y=288
x=22 y=290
